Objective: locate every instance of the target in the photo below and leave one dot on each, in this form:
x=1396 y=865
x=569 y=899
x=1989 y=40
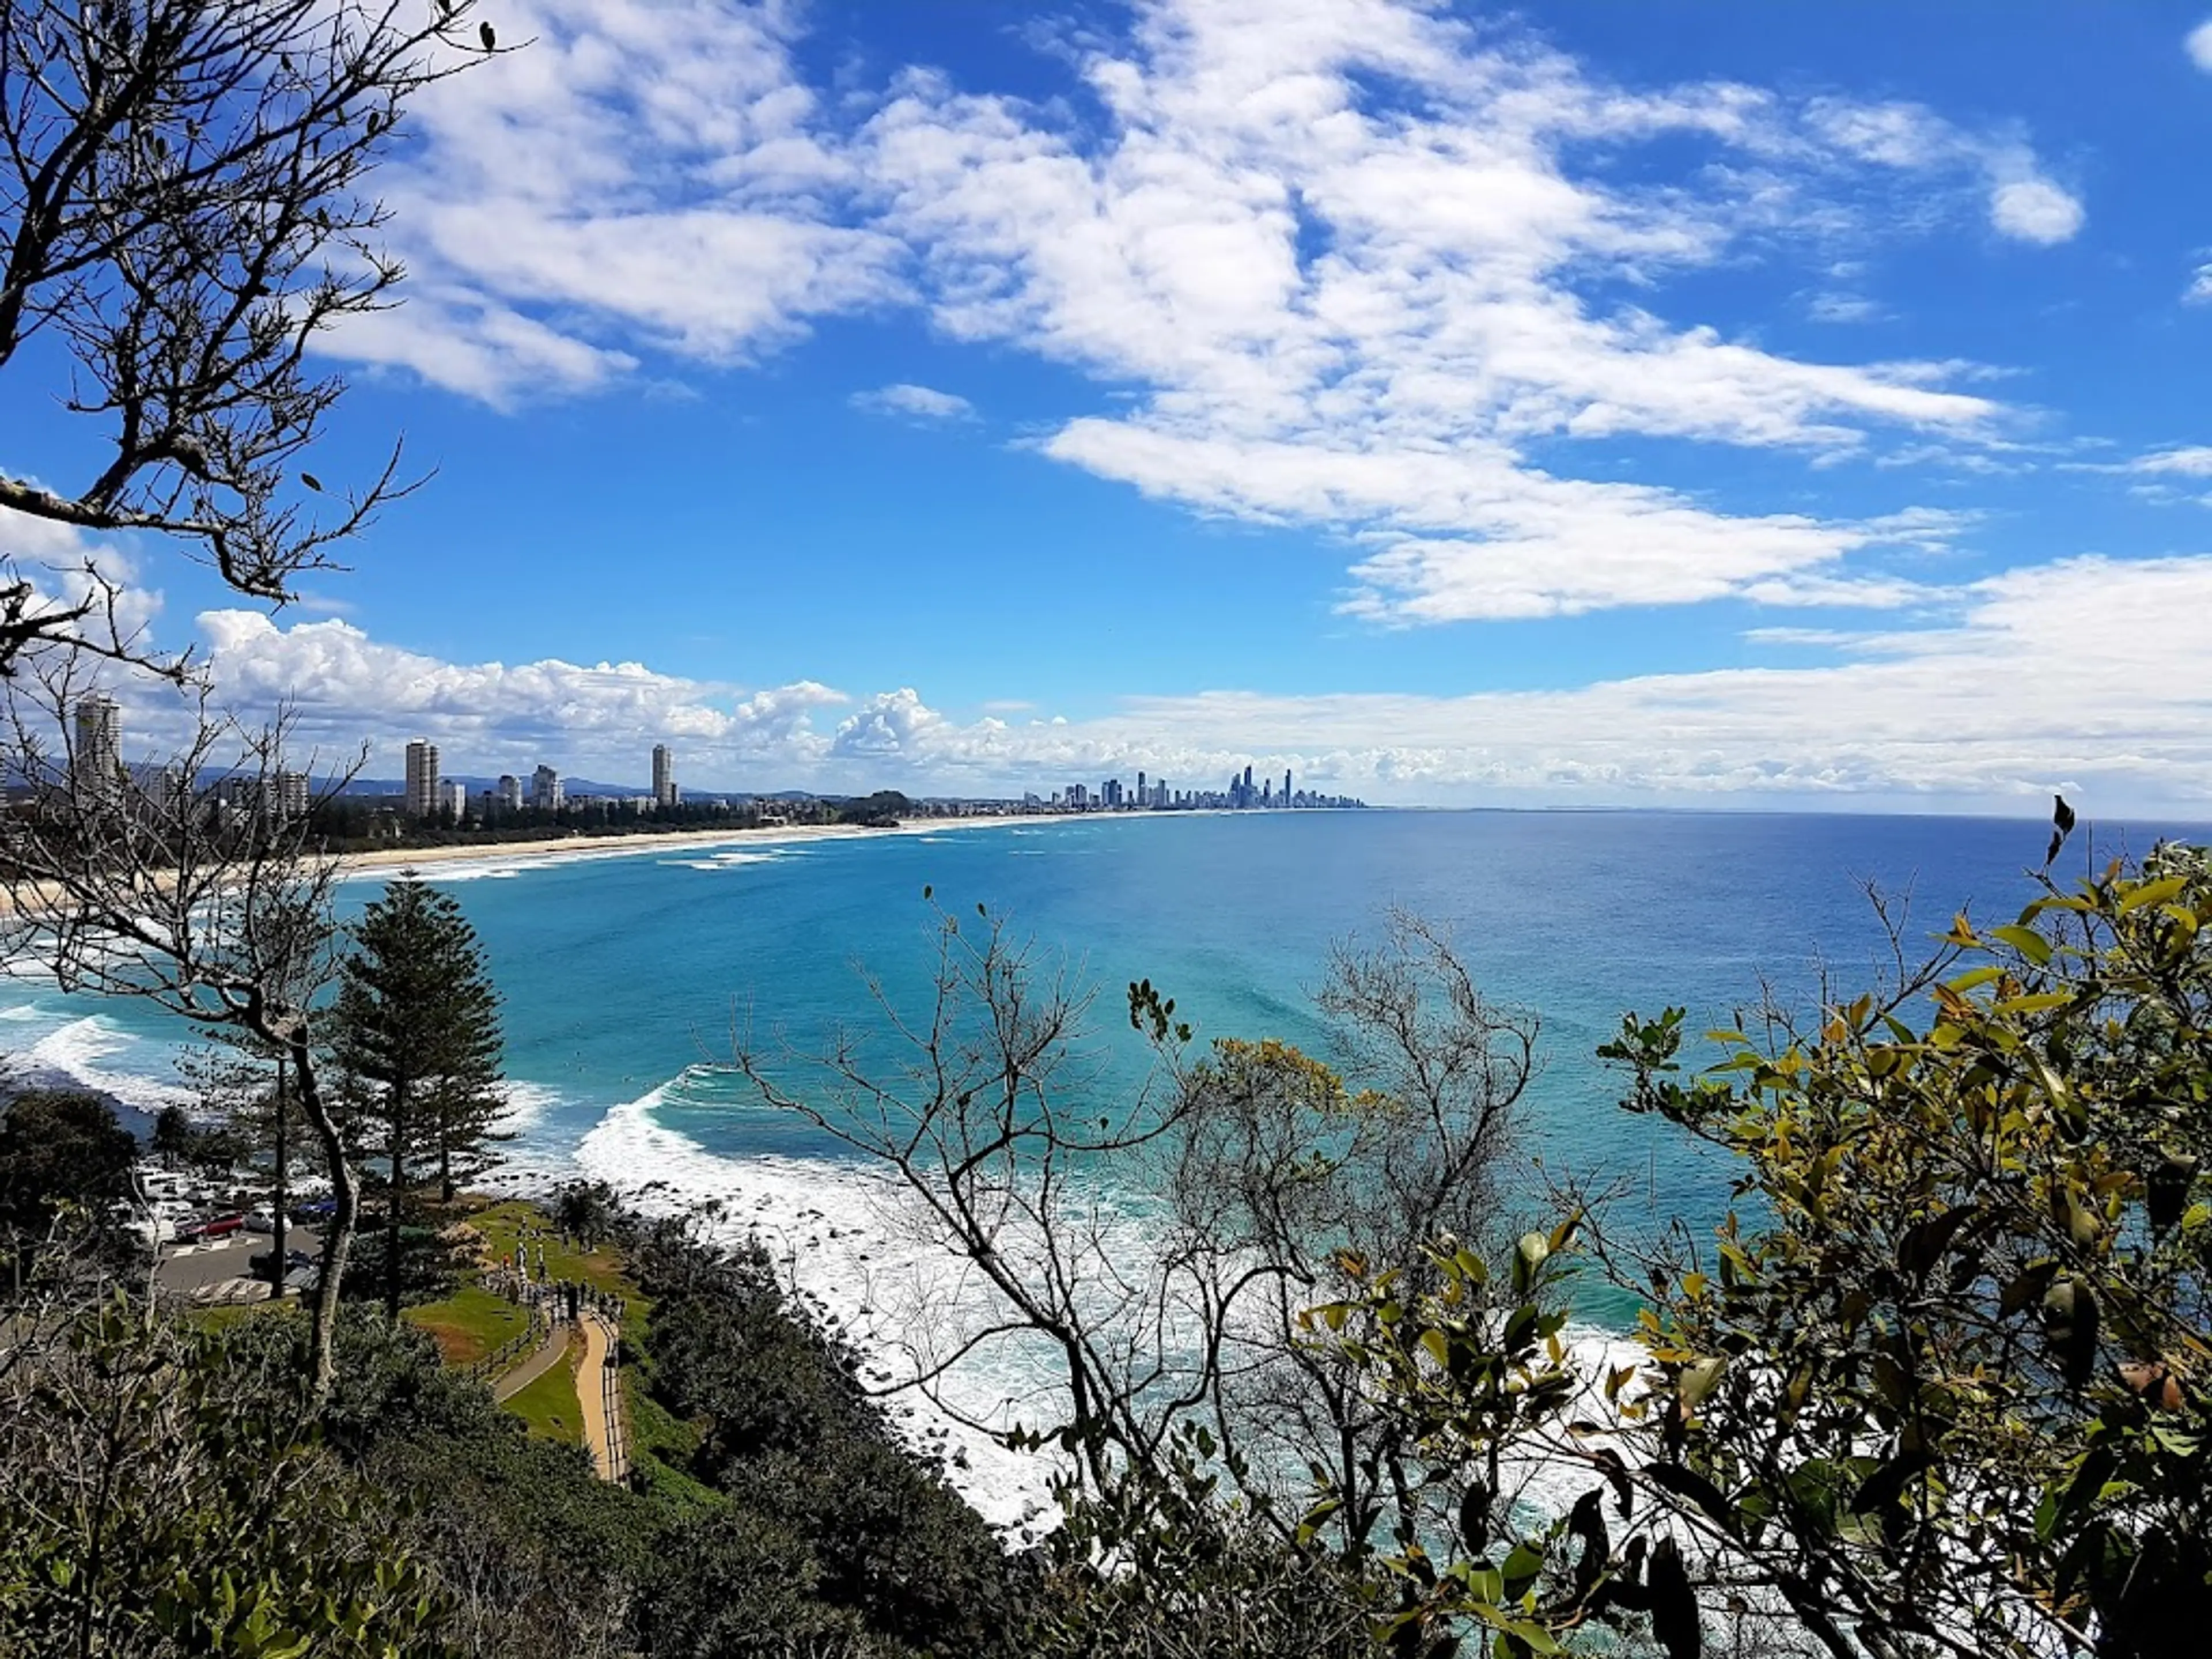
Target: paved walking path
x=592 y=1389
x=550 y=1352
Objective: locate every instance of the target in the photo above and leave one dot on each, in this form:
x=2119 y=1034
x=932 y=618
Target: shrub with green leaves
x=1937 y=1384
x=157 y=1499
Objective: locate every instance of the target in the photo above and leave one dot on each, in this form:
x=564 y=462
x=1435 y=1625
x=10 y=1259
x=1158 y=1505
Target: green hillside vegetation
x=468 y=1325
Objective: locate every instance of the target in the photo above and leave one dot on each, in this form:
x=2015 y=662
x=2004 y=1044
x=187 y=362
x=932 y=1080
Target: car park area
x=222 y=1269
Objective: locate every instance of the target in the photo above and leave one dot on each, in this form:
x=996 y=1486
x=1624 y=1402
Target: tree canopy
x=417 y=1027
x=58 y=1147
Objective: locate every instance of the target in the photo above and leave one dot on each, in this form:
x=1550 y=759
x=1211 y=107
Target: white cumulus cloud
x=346 y=689
x=2088 y=675
x=920 y=403
x=1348 y=258
x=2198 y=44
x=2189 y=461
x=1296 y=236
x=641 y=176
x=2035 y=210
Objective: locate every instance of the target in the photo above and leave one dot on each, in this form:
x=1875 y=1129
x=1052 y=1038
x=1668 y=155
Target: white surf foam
x=78 y=1054
x=844 y=1238
x=527 y=1103
x=835 y=1233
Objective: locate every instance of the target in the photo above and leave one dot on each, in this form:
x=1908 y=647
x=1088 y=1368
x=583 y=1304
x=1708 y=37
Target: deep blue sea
x=622 y=974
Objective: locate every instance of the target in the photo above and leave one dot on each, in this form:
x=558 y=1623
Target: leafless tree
x=990 y=1124
x=196 y=887
x=183 y=211
x=1160 y=1242
x=1294 y=1182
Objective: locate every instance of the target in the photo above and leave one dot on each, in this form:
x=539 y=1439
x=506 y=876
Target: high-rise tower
x=664 y=777
x=422 y=799
x=96 y=767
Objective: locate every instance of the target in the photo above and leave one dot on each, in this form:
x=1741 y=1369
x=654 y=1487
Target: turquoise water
x=623 y=974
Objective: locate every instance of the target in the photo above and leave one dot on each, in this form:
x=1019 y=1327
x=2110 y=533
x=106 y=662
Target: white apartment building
x=96 y=767
x=422 y=797
x=292 y=794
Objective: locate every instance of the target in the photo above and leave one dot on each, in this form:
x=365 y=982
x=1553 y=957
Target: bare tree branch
x=184 y=209
x=193 y=886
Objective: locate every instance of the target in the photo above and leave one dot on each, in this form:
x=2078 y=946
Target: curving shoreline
x=598 y=847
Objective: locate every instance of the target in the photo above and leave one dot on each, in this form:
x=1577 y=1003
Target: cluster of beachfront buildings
x=429 y=796
x=1154 y=795
x=96 y=770
x=97 y=774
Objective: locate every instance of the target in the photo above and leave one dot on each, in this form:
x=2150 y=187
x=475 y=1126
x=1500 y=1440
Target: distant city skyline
x=426 y=792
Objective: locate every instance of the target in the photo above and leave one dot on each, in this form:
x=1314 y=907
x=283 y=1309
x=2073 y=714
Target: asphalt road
x=185 y=1268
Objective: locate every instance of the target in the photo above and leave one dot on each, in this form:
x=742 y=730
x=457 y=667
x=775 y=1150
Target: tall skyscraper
x=509 y=793
x=422 y=779
x=292 y=795
x=1287 y=786
x=453 y=794
x=664 y=777
x=545 y=792
x=96 y=767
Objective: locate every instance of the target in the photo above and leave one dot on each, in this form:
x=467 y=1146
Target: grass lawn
x=505 y=1224
x=548 y=1407
x=661 y=1444
x=467 y=1324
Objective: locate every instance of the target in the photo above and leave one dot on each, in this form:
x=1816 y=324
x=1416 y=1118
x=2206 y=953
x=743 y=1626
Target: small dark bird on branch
x=2062 y=825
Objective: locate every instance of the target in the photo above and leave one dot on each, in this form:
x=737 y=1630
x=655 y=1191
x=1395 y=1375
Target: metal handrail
x=504 y=1356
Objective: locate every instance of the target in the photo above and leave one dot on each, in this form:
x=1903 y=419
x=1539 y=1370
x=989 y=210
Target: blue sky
x=1692 y=404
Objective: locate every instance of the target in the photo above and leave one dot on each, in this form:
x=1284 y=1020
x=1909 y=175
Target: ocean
x=624 y=978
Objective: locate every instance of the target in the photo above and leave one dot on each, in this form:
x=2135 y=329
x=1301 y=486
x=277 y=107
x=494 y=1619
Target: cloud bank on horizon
x=1408 y=280
x=1957 y=713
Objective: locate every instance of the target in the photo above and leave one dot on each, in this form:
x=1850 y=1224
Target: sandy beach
x=635 y=846
x=596 y=847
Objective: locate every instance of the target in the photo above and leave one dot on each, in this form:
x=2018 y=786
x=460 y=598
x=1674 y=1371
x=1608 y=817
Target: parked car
x=261 y=1263
x=315 y=1209
x=148 y=1226
x=221 y=1226
x=261 y=1220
